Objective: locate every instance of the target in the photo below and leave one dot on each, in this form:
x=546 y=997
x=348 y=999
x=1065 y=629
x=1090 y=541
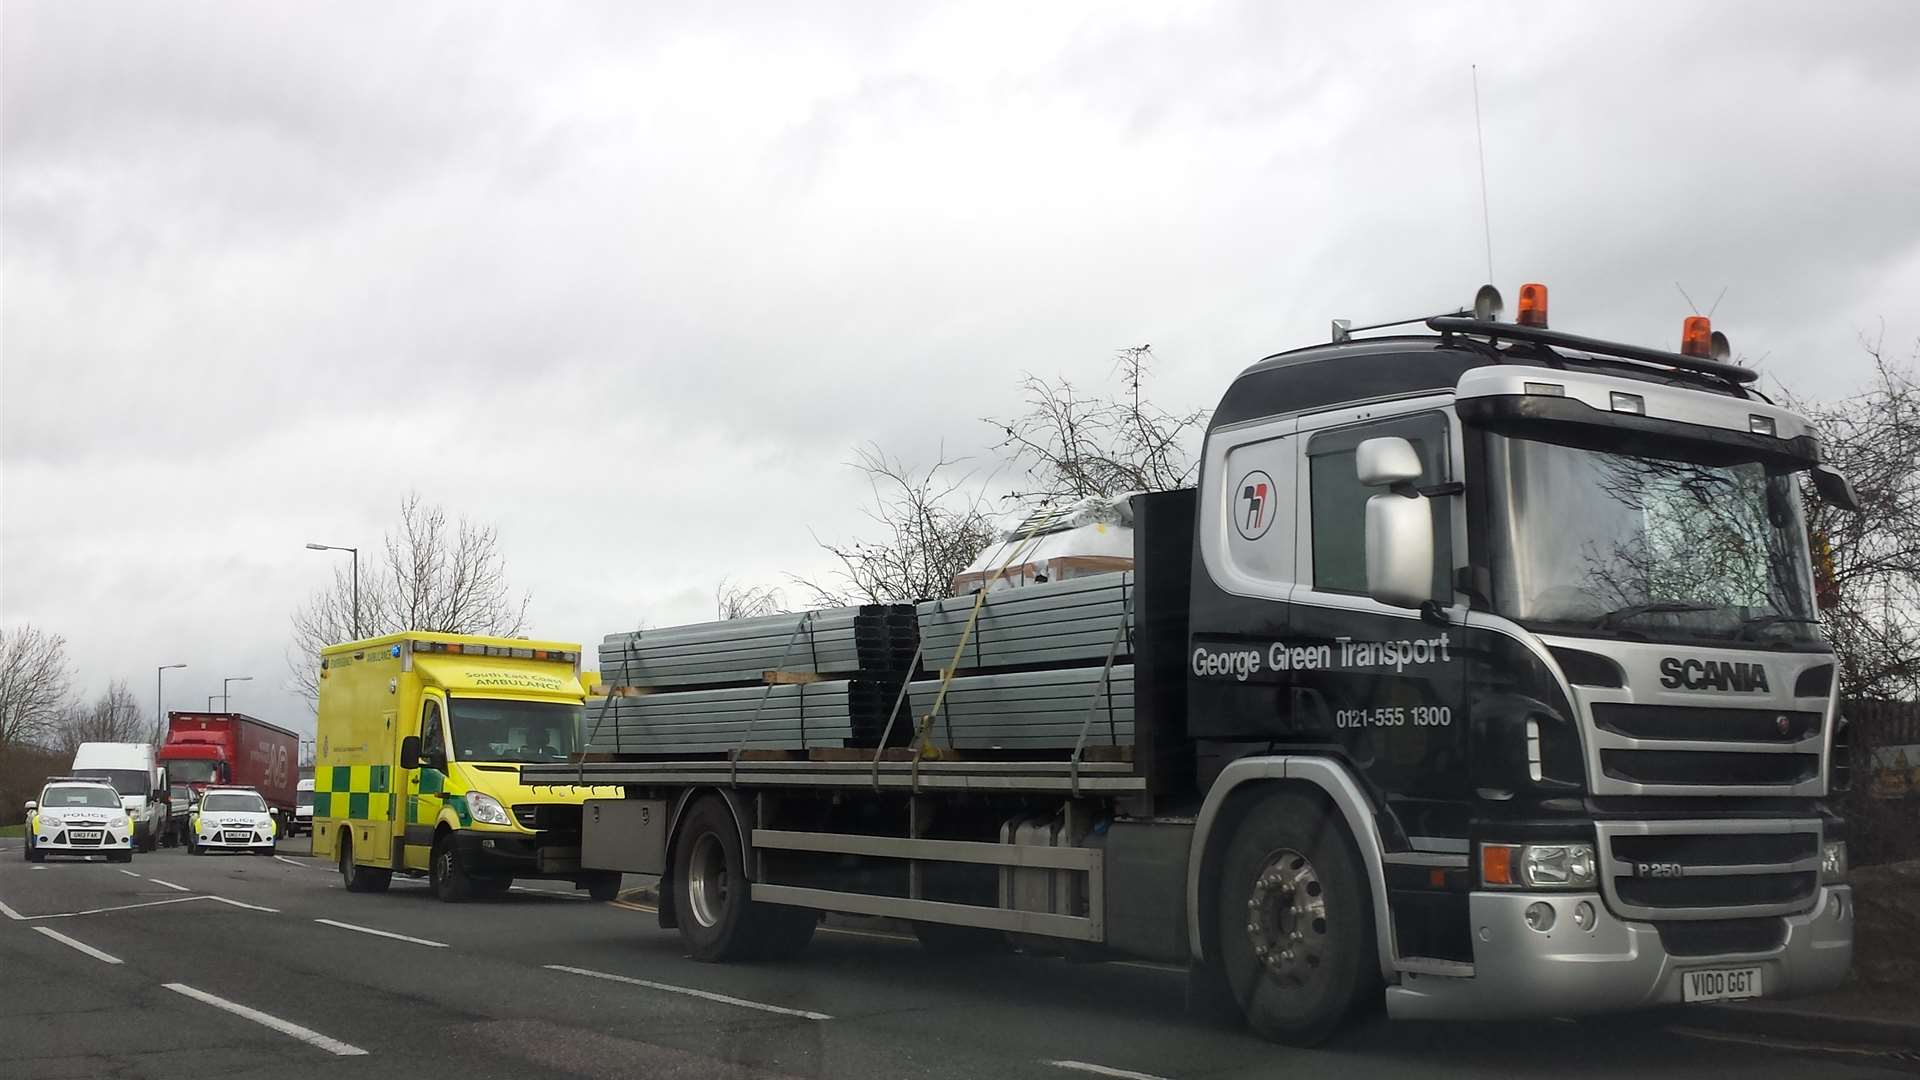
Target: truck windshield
x=1590 y=542
x=125 y=781
x=190 y=771
x=489 y=729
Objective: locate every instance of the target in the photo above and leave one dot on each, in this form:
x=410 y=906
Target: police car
x=231 y=819
x=77 y=816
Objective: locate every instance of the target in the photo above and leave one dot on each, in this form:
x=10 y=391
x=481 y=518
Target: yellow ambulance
x=421 y=738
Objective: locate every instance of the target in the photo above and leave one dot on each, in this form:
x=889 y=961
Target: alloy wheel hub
x=1287 y=918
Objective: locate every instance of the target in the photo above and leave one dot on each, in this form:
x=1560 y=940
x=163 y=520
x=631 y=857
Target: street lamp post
x=210 y=698
x=159 y=708
x=224 y=703
x=356 y=580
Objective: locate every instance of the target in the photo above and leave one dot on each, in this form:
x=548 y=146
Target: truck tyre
x=360 y=878
x=1294 y=935
x=604 y=886
x=717 y=920
x=447 y=873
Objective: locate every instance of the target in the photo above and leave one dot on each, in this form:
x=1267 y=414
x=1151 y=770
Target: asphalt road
x=245 y=966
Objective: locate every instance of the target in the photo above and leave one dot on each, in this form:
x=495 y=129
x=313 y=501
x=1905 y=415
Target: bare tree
x=737 y=600
x=933 y=521
x=429 y=575
x=1076 y=445
x=114 y=716
x=34 y=680
x=1867 y=565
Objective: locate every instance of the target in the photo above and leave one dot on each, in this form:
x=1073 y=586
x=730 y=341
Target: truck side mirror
x=1833 y=486
x=1399 y=524
x=410 y=752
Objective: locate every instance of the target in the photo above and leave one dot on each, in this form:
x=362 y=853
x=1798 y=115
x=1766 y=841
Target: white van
x=302 y=809
x=131 y=769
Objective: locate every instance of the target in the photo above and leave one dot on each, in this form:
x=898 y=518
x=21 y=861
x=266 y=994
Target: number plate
x=239 y=838
x=86 y=834
x=1721 y=984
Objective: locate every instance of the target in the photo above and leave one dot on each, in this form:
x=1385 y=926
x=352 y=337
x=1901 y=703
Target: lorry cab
x=421 y=739
x=1548 y=602
x=141 y=781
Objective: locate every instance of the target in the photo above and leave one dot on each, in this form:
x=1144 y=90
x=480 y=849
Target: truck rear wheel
x=360 y=878
x=1295 y=934
x=718 y=920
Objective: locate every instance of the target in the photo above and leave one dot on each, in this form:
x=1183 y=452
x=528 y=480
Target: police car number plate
x=1721 y=984
x=86 y=834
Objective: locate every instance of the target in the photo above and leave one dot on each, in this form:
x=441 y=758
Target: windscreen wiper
x=1612 y=618
x=1749 y=628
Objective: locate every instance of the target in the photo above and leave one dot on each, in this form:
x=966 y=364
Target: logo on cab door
x=1678 y=674
x=1253 y=506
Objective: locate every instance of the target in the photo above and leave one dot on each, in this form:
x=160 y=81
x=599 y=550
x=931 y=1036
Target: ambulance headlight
x=485 y=808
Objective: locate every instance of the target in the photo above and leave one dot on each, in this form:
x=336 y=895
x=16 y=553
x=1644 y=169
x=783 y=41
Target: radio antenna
x=1480 y=138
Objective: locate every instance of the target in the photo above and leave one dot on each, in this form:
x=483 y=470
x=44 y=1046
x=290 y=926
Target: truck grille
x=1719 y=937
x=1710 y=870
x=1654 y=750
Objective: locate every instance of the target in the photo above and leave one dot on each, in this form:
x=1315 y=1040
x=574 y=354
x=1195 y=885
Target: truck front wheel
x=1294 y=933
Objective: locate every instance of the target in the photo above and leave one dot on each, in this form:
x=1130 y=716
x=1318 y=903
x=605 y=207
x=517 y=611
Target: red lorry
x=233 y=748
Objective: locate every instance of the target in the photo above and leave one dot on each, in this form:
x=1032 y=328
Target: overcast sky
x=629 y=284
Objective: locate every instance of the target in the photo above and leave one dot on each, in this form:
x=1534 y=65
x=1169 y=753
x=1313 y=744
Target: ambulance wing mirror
x=410 y=752
x=1833 y=486
x=1399 y=529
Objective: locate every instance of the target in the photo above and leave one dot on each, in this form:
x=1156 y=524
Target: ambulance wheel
x=448 y=873
x=360 y=878
x=1294 y=933
x=717 y=920
x=604 y=887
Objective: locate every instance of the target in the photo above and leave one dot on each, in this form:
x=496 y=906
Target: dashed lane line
x=80 y=946
x=295 y=862
x=382 y=933
x=1104 y=1070
x=691 y=992
x=170 y=885
x=284 y=1027
x=131 y=873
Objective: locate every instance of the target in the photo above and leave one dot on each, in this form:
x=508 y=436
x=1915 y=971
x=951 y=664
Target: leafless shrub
x=932 y=522
x=428 y=574
x=114 y=716
x=34 y=681
x=737 y=600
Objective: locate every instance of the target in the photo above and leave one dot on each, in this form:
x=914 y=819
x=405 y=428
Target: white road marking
x=10 y=913
x=294 y=862
x=249 y=907
x=691 y=992
x=305 y=1035
x=549 y=893
x=1104 y=1070
x=130 y=873
x=170 y=885
x=1145 y=965
x=122 y=907
x=382 y=933
x=43 y=867
x=79 y=945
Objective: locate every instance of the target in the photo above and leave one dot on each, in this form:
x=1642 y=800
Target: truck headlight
x=487 y=809
x=1537 y=866
x=1833 y=862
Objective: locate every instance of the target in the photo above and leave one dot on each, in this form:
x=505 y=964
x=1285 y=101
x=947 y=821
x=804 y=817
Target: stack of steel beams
x=1031 y=710
x=833 y=641
x=717 y=721
x=1067 y=622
